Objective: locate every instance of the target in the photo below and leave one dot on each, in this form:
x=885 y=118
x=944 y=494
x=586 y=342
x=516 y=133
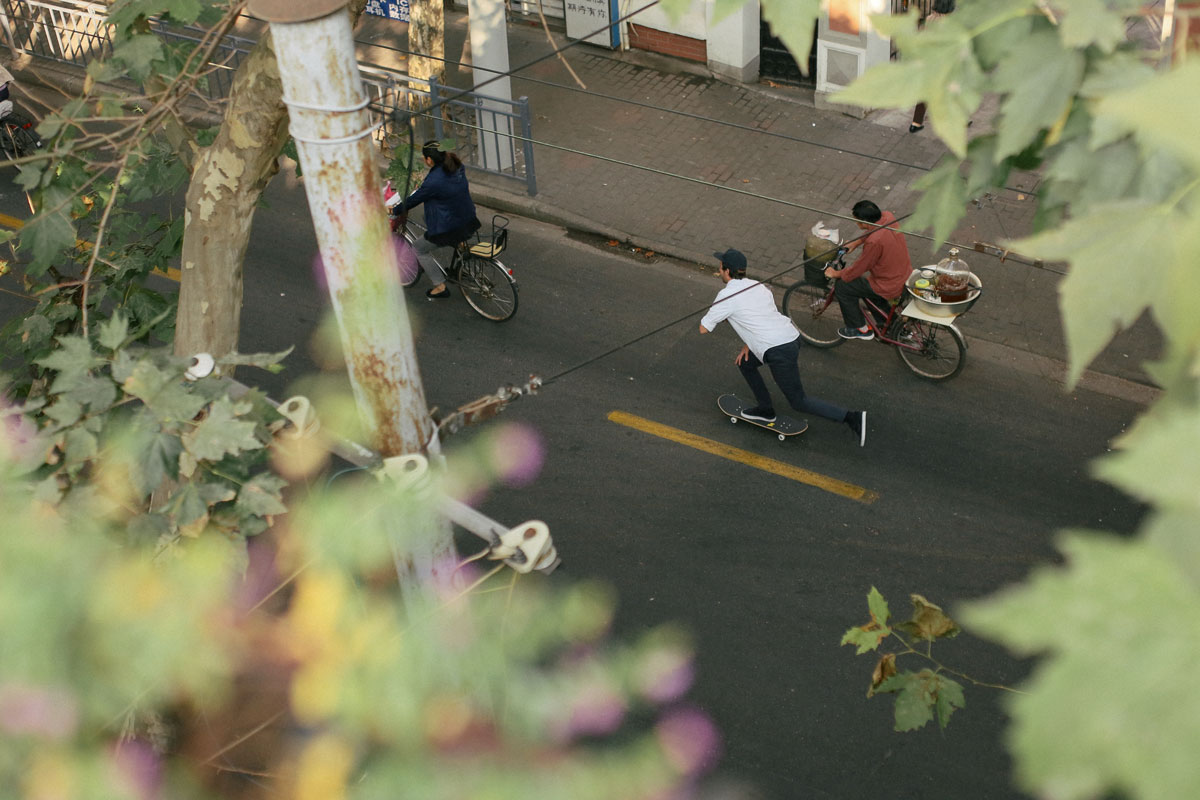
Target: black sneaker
x=758 y=414
x=855 y=333
x=858 y=423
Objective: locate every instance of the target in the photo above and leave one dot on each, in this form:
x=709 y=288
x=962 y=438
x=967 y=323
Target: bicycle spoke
x=489 y=288
x=817 y=316
x=932 y=351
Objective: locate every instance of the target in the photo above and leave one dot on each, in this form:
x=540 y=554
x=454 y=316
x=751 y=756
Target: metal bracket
x=485 y=407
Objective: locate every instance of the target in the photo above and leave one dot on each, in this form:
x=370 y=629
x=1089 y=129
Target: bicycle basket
x=499 y=240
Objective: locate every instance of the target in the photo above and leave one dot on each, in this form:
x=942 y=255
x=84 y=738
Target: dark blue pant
x=848 y=294
x=782 y=361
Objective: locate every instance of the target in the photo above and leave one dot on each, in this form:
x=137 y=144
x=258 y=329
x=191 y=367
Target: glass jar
x=953 y=278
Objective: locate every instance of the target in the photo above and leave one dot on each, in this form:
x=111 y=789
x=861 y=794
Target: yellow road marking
x=6 y=221
x=815 y=479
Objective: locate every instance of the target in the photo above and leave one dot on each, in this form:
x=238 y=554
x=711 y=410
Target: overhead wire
x=734 y=189
x=690 y=314
x=628 y=343
x=687 y=114
x=461 y=93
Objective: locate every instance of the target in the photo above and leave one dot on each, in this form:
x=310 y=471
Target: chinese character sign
x=588 y=17
x=392 y=9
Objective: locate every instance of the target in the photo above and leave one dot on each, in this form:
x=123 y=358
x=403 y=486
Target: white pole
x=489 y=57
x=322 y=87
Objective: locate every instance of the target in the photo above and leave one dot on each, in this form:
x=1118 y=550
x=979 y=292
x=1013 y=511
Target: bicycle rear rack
x=499 y=240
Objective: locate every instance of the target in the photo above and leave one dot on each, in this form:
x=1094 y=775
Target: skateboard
x=782 y=427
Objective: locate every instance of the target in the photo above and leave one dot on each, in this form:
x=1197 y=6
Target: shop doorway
x=776 y=63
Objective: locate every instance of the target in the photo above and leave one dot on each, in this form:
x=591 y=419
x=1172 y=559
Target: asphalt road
x=971 y=479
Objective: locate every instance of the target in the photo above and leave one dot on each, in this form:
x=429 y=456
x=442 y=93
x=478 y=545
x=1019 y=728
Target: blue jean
x=782 y=360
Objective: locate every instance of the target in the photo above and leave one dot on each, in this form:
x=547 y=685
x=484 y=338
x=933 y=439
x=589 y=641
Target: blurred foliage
x=190 y=606
x=1111 y=128
x=285 y=666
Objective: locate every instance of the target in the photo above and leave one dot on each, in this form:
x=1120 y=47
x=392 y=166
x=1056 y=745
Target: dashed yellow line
x=815 y=479
x=16 y=224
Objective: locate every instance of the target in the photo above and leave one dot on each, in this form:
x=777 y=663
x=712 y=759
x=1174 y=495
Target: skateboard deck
x=782 y=427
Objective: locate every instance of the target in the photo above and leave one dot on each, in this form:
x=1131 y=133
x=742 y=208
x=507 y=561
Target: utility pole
x=332 y=128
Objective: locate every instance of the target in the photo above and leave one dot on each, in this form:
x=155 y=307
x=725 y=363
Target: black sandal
x=442 y=295
x=913 y=127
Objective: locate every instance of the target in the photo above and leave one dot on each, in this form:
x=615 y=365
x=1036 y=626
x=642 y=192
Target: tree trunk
x=225 y=188
x=426 y=60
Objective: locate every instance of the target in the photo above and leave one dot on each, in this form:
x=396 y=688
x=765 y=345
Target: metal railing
x=492 y=134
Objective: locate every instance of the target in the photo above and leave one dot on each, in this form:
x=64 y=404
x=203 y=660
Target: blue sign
x=392 y=9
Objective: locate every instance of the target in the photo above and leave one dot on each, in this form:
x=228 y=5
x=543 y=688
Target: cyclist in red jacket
x=878 y=274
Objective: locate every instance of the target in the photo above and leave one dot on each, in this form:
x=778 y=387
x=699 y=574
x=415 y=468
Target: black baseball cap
x=732 y=260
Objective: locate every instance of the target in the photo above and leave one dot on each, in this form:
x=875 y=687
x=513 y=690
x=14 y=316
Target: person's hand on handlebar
x=834 y=272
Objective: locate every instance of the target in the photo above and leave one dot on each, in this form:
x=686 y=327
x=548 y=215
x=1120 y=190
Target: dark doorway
x=777 y=64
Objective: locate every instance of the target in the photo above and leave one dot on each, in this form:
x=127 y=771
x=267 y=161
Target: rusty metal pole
x=330 y=123
x=331 y=126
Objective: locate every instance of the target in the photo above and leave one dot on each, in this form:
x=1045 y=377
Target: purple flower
x=37 y=711
x=689 y=740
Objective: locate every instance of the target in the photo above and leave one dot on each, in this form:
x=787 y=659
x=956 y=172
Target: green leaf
x=943 y=200
x=138 y=53
x=65 y=412
x=162 y=392
x=50 y=231
x=80 y=446
x=867 y=637
x=1040 y=78
x=97 y=392
x=1090 y=22
x=919 y=694
x=1108 y=709
x=997 y=41
x=792 y=21
x=157 y=460
x=937 y=68
x=221 y=433
x=949 y=697
x=73 y=357
x=880 y=614
x=1112 y=74
x=1159 y=459
x=260 y=495
x=113 y=331
x=36 y=330
x=186 y=505
x=1142 y=108
x=1114 y=252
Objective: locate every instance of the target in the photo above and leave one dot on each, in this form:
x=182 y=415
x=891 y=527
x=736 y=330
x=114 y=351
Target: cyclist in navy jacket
x=449 y=211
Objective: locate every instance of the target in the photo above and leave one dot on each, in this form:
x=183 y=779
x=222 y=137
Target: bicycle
x=18 y=136
x=489 y=287
x=931 y=348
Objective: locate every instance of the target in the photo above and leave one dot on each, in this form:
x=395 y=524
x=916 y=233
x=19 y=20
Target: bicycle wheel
x=936 y=352
x=489 y=287
x=815 y=313
x=406 y=256
x=17 y=139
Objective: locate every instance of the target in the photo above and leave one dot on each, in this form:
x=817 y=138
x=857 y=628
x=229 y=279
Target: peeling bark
x=226 y=185
x=427 y=51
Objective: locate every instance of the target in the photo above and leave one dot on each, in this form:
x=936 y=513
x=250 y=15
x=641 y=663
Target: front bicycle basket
x=499 y=241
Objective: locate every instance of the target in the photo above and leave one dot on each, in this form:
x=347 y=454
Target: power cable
x=690 y=314
x=734 y=189
x=687 y=114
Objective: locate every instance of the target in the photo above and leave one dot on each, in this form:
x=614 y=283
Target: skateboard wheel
x=782 y=437
x=733 y=420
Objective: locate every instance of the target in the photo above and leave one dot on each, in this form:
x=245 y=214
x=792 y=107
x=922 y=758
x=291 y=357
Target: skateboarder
x=770 y=338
